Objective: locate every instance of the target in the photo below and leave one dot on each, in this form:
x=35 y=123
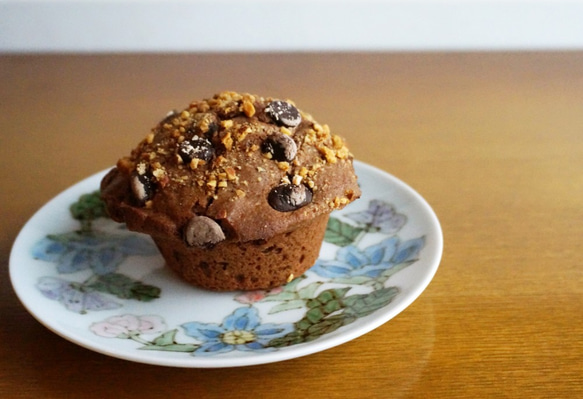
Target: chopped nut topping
x=337 y=142
x=204 y=125
x=141 y=168
x=283 y=166
x=231 y=173
x=248 y=108
x=159 y=173
x=236 y=126
x=297 y=179
x=329 y=155
x=343 y=153
x=227 y=141
x=195 y=162
x=203 y=106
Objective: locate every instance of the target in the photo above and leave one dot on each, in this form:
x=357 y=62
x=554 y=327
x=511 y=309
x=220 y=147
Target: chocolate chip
x=213 y=127
x=203 y=231
x=142 y=187
x=289 y=197
x=281 y=147
x=197 y=147
x=283 y=113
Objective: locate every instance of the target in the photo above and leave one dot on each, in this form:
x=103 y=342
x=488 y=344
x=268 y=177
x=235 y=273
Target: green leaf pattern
x=333 y=294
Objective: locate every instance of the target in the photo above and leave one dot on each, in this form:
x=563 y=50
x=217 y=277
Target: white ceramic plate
x=97 y=284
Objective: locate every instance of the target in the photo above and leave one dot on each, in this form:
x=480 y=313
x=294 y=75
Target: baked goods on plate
x=235 y=190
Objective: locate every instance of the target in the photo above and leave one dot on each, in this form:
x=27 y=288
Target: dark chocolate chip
x=142 y=187
x=213 y=128
x=289 y=197
x=203 y=231
x=197 y=147
x=281 y=147
x=283 y=113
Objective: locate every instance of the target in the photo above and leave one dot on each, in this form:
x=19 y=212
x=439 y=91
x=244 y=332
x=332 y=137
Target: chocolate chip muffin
x=235 y=190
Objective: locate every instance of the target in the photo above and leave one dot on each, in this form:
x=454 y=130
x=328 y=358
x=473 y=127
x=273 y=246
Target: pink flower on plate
x=126 y=326
x=255 y=296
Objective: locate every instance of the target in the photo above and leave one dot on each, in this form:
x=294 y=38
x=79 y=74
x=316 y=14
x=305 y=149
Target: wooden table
x=494 y=142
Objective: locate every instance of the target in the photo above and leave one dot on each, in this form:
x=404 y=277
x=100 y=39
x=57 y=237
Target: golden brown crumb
x=283 y=166
x=248 y=108
x=227 y=141
x=328 y=154
x=337 y=142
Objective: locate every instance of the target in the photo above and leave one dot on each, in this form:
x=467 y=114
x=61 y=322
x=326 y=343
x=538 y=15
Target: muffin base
x=252 y=265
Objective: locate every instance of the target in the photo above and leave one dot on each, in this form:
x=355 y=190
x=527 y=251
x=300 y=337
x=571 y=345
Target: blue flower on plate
x=100 y=252
x=73 y=297
x=372 y=262
x=241 y=330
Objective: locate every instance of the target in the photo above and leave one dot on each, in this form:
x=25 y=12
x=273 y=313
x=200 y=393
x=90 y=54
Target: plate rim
x=295 y=351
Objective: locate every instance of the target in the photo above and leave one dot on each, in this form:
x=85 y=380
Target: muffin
x=235 y=190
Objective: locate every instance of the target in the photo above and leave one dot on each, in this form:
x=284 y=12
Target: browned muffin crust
x=267 y=263
x=232 y=185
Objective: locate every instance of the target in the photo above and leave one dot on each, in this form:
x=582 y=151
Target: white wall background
x=288 y=25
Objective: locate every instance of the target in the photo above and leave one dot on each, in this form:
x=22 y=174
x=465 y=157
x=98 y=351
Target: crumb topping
x=227 y=147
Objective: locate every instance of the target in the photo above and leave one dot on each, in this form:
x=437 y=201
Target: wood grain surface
x=493 y=141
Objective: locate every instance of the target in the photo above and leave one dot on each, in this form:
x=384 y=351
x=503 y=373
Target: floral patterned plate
x=103 y=287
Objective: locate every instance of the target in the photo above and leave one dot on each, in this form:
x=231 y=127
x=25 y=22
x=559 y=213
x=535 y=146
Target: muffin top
x=235 y=166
